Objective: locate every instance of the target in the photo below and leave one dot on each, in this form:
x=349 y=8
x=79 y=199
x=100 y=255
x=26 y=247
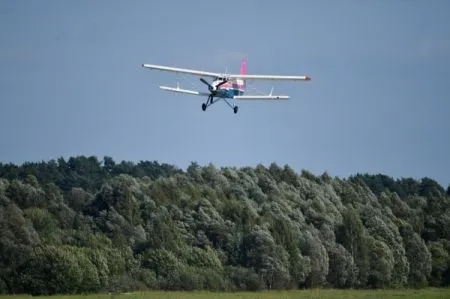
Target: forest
x=84 y=225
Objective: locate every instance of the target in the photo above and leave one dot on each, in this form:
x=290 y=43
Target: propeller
x=213 y=91
x=210 y=87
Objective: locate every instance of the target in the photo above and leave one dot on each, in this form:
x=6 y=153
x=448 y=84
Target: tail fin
x=244 y=70
x=244 y=66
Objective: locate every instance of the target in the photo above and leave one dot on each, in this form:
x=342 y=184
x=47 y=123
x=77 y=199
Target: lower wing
x=186 y=91
x=262 y=97
x=246 y=97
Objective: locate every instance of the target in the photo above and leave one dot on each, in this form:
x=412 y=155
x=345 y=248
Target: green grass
x=307 y=294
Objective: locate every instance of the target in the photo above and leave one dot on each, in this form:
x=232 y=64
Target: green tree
x=342 y=270
x=261 y=253
x=51 y=270
x=312 y=247
x=419 y=257
x=381 y=264
x=351 y=234
x=440 y=263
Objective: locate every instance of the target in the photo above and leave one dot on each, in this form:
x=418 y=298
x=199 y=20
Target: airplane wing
x=186 y=91
x=180 y=70
x=228 y=76
x=268 y=77
x=261 y=97
x=244 y=97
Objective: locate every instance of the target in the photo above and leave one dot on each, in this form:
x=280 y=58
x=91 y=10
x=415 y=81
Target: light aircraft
x=225 y=86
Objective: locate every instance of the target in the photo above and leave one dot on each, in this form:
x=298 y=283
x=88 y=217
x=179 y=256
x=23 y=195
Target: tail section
x=243 y=72
x=244 y=66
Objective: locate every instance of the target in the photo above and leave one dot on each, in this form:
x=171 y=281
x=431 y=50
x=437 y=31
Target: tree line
x=88 y=225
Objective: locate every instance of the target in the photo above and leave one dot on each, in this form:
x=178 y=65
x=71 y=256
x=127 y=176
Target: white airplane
x=225 y=86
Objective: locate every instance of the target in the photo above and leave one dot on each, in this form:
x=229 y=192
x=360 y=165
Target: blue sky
x=71 y=83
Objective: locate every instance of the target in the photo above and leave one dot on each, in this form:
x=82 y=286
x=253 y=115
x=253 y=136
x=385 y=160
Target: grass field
x=309 y=294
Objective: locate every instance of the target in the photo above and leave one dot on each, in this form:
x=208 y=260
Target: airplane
x=225 y=86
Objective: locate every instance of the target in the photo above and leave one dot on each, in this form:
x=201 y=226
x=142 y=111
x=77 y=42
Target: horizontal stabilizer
x=261 y=97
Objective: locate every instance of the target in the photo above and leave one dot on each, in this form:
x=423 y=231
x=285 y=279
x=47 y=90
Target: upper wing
x=180 y=70
x=228 y=76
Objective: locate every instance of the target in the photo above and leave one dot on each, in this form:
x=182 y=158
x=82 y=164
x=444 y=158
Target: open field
x=309 y=294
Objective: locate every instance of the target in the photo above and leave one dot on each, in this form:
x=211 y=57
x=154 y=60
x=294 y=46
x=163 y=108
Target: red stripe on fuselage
x=231 y=84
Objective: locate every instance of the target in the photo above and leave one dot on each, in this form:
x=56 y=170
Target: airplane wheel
x=235 y=109
x=203 y=106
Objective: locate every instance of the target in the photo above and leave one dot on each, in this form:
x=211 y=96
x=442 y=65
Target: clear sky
x=71 y=83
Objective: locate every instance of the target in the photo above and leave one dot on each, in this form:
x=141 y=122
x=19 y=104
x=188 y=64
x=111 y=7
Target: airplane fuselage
x=229 y=89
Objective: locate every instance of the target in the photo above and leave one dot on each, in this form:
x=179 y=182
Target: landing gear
x=209 y=102
x=214 y=91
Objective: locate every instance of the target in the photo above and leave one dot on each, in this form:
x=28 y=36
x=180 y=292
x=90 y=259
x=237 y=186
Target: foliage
x=430 y=293
x=83 y=225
